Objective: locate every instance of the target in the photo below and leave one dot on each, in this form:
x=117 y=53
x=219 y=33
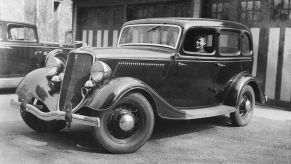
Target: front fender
x=105 y=96
x=35 y=85
x=236 y=87
x=108 y=95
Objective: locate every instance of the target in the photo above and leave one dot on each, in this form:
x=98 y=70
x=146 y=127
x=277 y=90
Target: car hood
x=130 y=53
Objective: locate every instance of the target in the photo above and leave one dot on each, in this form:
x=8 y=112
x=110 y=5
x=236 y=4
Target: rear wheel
x=39 y=125
x=245 y=111
x=127 y=126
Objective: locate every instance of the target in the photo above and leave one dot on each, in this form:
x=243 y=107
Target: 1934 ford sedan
x=154 y=72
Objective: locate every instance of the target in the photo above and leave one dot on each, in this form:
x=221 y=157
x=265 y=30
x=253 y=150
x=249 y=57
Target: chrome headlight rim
x=54 y=66
x=100 y=71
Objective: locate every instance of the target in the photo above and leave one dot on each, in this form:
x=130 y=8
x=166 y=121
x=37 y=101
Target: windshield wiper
x=154 y=28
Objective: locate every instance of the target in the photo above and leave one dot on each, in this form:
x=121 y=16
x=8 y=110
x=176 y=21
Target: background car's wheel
x=127 y=127
x=40 y=125
x=245 y=111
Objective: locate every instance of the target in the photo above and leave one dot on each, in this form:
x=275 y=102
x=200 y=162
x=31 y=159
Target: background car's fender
x=35 y=85
x=108 y=95
x=236 y=85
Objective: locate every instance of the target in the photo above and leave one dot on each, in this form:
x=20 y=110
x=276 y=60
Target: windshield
x=158 y=34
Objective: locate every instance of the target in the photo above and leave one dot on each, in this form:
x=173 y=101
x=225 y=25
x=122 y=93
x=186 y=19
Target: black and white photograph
x=145 y=81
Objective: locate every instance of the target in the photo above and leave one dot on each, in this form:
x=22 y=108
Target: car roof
x=16 y=21
x=189 y=22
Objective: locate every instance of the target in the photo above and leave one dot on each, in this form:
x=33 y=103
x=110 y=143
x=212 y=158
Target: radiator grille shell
x=77 y=72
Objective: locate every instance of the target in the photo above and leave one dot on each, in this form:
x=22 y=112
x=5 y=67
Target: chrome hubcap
x=126 y=122
x=248 y=105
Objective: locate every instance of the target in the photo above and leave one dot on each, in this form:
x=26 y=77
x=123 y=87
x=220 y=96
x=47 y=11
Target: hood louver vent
x=149 y=73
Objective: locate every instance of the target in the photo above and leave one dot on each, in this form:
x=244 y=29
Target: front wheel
x=245 y=111
x=127 y=126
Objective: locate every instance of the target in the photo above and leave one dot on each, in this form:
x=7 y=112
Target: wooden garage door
x=99 y=26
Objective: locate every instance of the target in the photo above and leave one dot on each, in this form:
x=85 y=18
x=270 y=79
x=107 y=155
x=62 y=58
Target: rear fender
x=236 y=87
x=36 y=85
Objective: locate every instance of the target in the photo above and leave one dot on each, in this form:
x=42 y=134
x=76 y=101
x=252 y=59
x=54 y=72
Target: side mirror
x=78 y=44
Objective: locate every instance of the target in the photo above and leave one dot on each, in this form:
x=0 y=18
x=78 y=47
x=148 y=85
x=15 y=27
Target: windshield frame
x=149 y=44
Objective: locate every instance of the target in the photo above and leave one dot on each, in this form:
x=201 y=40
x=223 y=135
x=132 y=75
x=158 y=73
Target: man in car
x=199 y=43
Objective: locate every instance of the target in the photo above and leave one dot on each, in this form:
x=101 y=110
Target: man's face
x=200 y=43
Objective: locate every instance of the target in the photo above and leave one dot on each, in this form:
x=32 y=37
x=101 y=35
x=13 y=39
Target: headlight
x=100 y=71
x=54 y=66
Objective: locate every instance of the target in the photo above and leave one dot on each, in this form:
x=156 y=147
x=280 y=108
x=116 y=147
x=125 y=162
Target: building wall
x=6 y=6
x=54 y=22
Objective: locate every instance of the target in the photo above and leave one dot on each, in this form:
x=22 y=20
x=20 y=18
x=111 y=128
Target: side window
x=199 y=42
x=229 y=43
x=21 y=33
x=246 y=45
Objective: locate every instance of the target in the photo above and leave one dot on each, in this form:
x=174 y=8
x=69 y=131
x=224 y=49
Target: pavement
x=272 y=113
x=266 y=140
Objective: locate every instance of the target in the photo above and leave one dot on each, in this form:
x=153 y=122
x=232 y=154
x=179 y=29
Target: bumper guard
x=57 y=115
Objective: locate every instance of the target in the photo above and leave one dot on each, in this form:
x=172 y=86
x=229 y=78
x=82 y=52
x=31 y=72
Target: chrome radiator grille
x=76 y=74
x=149 y=73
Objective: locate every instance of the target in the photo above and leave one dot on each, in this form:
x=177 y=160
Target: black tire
x=110 y=134
x=243 y=115
x=42 y=126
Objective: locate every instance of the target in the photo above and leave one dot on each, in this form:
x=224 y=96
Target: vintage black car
x=154 y=72
x=21 y=52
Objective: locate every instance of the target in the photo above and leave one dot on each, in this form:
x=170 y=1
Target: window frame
x=253 y=11
x=10 y=25
x=223 y=13
x=250 y=43
x=281 y=8
x=148 y=44
x=214 y=42
x=239 y=43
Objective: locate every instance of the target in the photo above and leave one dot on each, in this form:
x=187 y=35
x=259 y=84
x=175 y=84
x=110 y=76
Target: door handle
x=180 y=64
x=220 y=65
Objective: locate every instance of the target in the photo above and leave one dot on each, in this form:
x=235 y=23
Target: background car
x=21 y=51
x=154 y=72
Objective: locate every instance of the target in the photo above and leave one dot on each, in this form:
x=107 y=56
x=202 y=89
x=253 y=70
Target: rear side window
x=21 y=33
x=229 y=43
x=246 y=45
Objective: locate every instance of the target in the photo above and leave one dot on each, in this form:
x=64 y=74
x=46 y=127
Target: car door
x=190 y=79
x=20 y=47
x=230 y=61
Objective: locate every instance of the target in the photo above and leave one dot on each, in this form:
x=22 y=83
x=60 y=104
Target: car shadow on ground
x=80 y=138
x=170 y=128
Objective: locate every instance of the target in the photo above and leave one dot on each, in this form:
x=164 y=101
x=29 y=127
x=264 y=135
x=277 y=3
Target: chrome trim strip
x=184 y=57
x=57 y=115
x=161 y=45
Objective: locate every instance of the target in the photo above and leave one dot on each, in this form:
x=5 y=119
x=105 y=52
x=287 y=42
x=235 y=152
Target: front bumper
x=56 y=115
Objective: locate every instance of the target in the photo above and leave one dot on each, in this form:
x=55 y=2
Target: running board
x=207 y=112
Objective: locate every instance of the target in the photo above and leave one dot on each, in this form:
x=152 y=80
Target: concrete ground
x=267 y=139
